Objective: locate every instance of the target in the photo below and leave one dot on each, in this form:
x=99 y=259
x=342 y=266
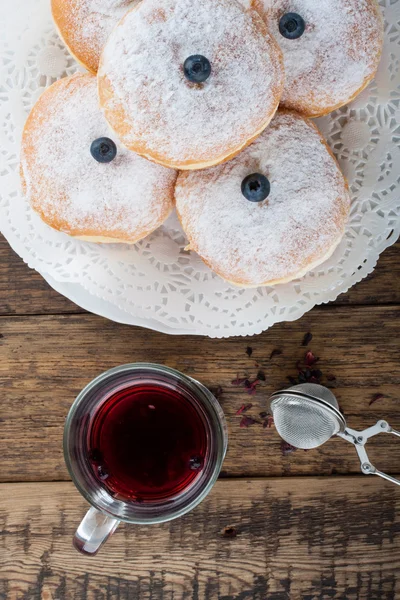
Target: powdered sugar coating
x=85 y=25
x=123 y=200
x=337 y=55
x=157 y=112
x=293 y=230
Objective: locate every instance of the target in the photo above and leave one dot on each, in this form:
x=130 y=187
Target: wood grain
x=45 y=362
x=23 y=291
x=297 y=539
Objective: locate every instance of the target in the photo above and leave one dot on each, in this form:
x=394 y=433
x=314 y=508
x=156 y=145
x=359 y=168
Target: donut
x=188 y=85
x=331 y=49
x=271 y=214
x=78 y=177
x=84 y=26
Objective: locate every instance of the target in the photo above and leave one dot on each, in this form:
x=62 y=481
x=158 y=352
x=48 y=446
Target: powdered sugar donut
x=189 y=85
x=85 y=25
x=331 y=49
x=272 y=213
x=121 y=200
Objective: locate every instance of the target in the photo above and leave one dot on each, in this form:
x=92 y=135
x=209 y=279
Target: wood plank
x=23 y=291
x=299 y=539
x=45 y=362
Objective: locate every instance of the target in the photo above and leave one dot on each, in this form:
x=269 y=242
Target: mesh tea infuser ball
x=307 y=415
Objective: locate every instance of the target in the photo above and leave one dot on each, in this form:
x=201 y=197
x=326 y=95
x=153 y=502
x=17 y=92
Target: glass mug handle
x=95 y=529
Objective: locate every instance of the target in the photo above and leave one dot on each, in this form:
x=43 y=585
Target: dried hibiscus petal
x=251 y=386
x=310 y=359
x=244 y=408
x=376 y=397
x=269 y=421
x=331 y=377
x=247 y=421
x=238 y=380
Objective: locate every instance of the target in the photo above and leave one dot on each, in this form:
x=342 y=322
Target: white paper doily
x=98 y=306
x=156 y=283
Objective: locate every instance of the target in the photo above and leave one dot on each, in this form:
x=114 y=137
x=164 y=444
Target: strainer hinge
x=359 y=440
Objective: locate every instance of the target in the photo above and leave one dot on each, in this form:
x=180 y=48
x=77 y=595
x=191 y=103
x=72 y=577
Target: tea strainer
x=307 y=415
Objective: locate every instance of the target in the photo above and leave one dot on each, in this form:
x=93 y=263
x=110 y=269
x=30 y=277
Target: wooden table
x=303 y=526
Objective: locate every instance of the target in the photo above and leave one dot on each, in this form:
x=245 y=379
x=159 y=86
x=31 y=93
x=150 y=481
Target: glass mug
x=143 y=444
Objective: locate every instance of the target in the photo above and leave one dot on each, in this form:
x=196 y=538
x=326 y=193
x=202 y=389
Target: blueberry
x=196 y=463
x=102 y=473
x=292 y=26
x=95 y=455
x=103 y=150
x=256 y=187
x=197 y=68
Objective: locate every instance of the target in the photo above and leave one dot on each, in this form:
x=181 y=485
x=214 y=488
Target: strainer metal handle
x=359 y=440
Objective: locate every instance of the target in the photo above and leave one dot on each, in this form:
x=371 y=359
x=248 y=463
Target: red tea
x=147 y=443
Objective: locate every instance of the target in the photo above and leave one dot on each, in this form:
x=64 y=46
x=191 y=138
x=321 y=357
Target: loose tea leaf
x=275 y=352
x=249 y=351
x=316 y=373
x=307 y=339
x=263 y=414
x=244 y=408
x=261 y=376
